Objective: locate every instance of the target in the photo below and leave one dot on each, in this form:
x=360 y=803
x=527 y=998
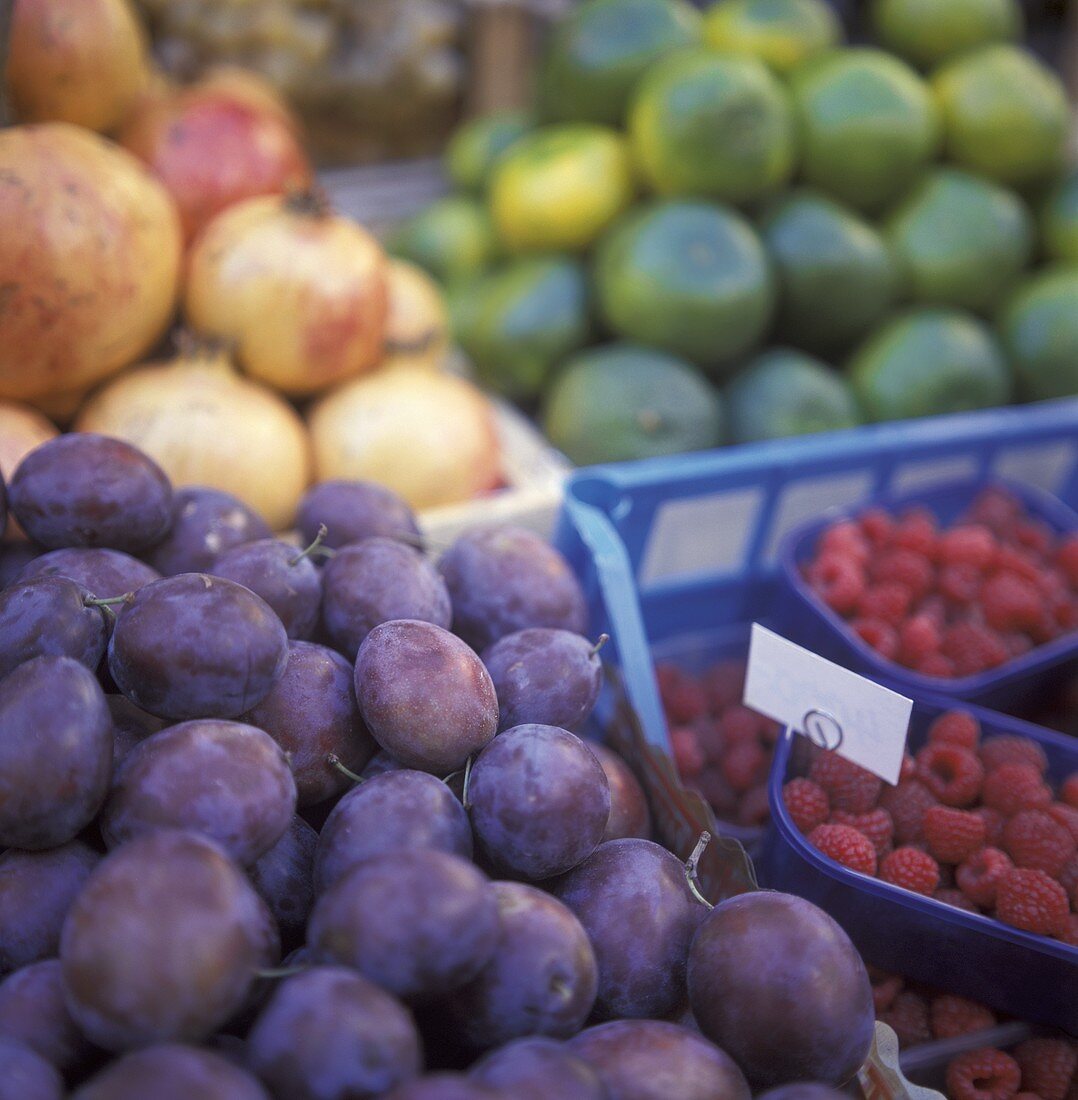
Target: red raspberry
x=917 y=529
x=1068 y=792
x=806 y=803
x=845 y=539
x=1033 y=838
x=1068 y=879
x=711 y=783
x=689 y=758
x=877 y=526
x=1011 y=602
x=739 y=724
x=1034 y=535
x=997 y=508
x=953 y=1016
x=1033 y=901
x=881 y=636
x=838 y=581
x=1047 y=1065
x=984 y=1074
x=754 y=808
x=953 y=774
x=682 y=697
x=1012 y=748
x=935 y=664
x=885 y=988
x=907 y=567
x=744 y=765
x=959 y=584
x=959 y=727
x=908 y=1015
x=887 y=601
x=710 y=737
x=876 y=825
x=973 y=648
x=845 y=845
x=1065 y=815
x=969 y=544
x=1013 y=559
x=1070 y=936
x=911 y=869
x=1067 y=559
x=907 y=804
x=979 y=876
x=849 y=786
x=1013 y=787
x=949 y=895
x=724 y=684
x=908 y=770
x=1018 y=645
x=918 y=638
x=993 y=825
x=952 y=835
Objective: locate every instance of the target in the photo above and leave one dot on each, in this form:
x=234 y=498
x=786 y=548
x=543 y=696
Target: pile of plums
x=315 y=821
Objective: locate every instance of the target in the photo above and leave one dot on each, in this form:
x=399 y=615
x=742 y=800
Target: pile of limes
x=765 y=231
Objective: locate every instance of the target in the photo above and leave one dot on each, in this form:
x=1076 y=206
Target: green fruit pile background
x=731 y=226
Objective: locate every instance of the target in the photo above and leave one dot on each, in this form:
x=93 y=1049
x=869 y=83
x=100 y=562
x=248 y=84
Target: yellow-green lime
x=601 y=48
x=836 y=275
x=929 y=32
x=961 y=240
x=1059 y=220
x=781 y=33
x=928 y=362
x=1040 y=332
x=519 y=321
x=1005 y=115
x=480 y=143
x=623 y=402
x=866 y=123
x=690 y=278
x=782 y=393
x=712 y=126
x=451 y=239
x=559 y=187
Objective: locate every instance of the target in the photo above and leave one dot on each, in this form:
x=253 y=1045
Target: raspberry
x=908 y=769
x=911 y=869
x=724 y=684
x=959 y=727
x=877 y=526
x=845 y=845
x=885 y=988
x=744 y=765
x=1033 y=901
x=952 y=835
x=935 y=664
x=876 y=825
x=1070 y=936
x=993 y=825
x=881 y=636
x=970 y=544
x=973 y=648
x=1018 y=645
x=838 y=581
x=741 y=724
x=845 y=539
x=1067 y=559
x=979 y=876
x=1012 y=559
x=996 y=508
x=719 y=794
x=806 y=803
x=1047 y=1066
x=952 y=1016
x=1013 y=787
x=1068 y=878
x=907 y=567
x=682 y=697
x=1035 y=535
x=1033 y=838
x=948 y=895
x=1069 y=791
x=984 y=1074
x=710 y=737
x=849 y=786
x=887 y=601
x=959 y=584
x=1011 y=602
x=908 y=1015
x=1012 y=748
x=907 y=804
x=953 y=774
x=754 y=808
x=918 y=637
x=1067 y=816
x=689 y=758
x=916 y=530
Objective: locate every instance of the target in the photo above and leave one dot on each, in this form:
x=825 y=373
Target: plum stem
x=280 y=971
x=599 y=643
x=316 y=547
x=106 y=605
x=467 y=780
x=691 y=865
x=334 y=761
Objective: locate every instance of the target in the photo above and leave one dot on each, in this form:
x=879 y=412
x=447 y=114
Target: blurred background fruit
x=1040 y=331
x=926 y=33
x=478 y=145
x=452 y=238
x=781 y=33
x=1059 y=220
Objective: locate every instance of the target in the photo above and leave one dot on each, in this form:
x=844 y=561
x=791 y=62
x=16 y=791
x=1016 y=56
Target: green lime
x=521 y=320
x=928 y=362
x=962 y=240
x=690 y=278
x=623 y=402
x=836 y=275
x=781 y=33
x=718 y=127
x=477 y=146
x=559 y=187
x=601 y=48
x=1005 y=115
x=451 y=239
x=1040 y=331
x=929 y=32
x=1059 y=220
x=783 y=393
x=867 y=125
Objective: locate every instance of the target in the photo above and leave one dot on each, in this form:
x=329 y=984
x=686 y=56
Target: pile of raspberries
x=721 y=749
x=972 y=824
x=949 y=602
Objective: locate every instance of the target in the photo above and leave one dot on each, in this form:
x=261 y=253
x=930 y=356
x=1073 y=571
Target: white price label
x=833 y=707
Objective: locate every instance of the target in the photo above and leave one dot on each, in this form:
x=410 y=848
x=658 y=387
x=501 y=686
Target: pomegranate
x=90 y=264
x=300 y=292
x=218 y=142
